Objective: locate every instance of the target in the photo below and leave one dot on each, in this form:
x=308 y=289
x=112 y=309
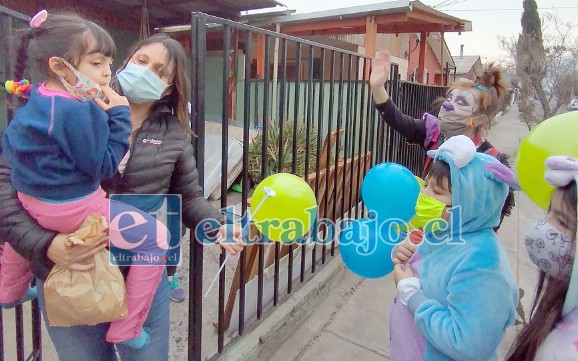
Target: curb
x=267 y=337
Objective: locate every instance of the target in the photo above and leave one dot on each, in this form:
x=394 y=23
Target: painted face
x=461 y=102
x=455 y=113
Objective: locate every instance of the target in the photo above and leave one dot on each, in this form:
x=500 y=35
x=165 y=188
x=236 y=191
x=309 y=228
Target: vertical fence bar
x=355 y=195
x=282 y=105
x=19 y=333
x=246 y=124
x=368 y=109
x=265 y=133
x=337 y=149
x=329 y=194
x=294 y=155
x=364 y=109
x=308 y=119
x=36 y=331
x=198 y=53
x=317 y=162
x=224 y=150
x=346 y=151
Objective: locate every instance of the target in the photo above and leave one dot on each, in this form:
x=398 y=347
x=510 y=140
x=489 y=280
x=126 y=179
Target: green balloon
x=555 y=136
x=420 y=182
x=283 y=207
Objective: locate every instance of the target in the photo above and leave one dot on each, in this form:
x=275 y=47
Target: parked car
x=573 y=104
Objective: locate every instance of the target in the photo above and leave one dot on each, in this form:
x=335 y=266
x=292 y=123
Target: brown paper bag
x=75 y=298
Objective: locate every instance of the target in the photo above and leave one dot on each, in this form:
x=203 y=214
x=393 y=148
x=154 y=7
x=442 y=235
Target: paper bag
x=75 y=298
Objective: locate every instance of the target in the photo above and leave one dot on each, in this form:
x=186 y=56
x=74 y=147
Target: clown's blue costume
x=468 y=294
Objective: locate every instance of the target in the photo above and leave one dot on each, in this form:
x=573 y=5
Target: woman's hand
x=72 y=257
x=379 y=75
x=114 y=99
x=235 y=245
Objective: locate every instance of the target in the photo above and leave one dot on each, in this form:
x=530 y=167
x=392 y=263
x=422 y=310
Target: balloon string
x=250 y=217
x=217 y=275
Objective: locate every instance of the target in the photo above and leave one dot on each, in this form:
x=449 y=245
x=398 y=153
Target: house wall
x=470 y=75
x=432 y=64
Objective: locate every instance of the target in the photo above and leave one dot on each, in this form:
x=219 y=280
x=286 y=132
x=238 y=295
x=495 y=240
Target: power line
x=497 y=9
x=448 y=3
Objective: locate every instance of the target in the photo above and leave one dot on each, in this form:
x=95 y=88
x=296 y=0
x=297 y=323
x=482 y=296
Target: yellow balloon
x=283 y=207
x=554 y=136
x=420 y=182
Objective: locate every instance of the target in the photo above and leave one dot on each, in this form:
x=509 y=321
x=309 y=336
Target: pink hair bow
x=38 y=19
x=561 y=170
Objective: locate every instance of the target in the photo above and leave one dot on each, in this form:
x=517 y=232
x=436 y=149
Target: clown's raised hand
x=379 y=75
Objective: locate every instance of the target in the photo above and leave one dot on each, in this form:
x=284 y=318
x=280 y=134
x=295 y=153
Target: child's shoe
x=177 y=293
x=30 y=295
x=141 y=341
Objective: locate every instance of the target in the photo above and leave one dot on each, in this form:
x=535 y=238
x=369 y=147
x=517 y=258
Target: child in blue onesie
x=457 y=294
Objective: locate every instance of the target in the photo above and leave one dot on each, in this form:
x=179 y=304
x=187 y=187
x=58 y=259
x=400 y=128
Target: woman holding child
x=154 y=79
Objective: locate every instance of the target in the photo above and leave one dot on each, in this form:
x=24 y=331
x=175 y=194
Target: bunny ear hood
x=480 y=184
x=561 y=171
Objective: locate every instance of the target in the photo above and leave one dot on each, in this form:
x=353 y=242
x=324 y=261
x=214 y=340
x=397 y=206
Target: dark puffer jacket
x=161 y=162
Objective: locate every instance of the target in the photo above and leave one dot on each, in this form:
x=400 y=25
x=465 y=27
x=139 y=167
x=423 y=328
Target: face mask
x=426 y=210
x=550 y=250
x=85 y=88
x=140 y=85
x=452 y=123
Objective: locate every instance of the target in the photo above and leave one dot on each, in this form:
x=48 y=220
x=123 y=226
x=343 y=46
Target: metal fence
x=287 y=81
x=283 y=82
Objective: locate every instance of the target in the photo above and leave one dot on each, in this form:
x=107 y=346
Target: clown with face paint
x=467 y=110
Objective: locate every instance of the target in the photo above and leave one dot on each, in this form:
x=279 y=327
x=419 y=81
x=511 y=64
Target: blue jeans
x=88 y=343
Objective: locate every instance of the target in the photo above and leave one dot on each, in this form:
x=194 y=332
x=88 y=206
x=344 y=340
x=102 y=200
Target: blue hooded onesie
x=468 y=296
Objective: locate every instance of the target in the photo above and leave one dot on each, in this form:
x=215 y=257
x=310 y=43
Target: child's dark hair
x=66 y=35
x=548 y=300
x=440 y=170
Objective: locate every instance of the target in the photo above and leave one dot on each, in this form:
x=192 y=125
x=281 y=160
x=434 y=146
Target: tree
x=542 y=63
x=531 y=54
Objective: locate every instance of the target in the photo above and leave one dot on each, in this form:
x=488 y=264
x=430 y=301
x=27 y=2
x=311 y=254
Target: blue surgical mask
x=140 y=85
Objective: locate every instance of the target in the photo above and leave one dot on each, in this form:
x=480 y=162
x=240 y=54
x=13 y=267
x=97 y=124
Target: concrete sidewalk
x=352 y=322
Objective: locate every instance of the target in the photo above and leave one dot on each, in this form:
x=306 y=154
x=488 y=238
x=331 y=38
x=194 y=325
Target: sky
x=490 y=18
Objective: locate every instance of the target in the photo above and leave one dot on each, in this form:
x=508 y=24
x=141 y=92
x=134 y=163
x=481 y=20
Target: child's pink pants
x=142 y=280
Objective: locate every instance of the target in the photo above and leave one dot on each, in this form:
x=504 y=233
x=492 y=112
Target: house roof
x=465 y=63
x=400 y=16
x=163 y=13
x=127 y=14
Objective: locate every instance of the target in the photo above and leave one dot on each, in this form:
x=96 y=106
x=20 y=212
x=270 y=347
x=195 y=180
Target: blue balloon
x=390 y=190
x=365 y=246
